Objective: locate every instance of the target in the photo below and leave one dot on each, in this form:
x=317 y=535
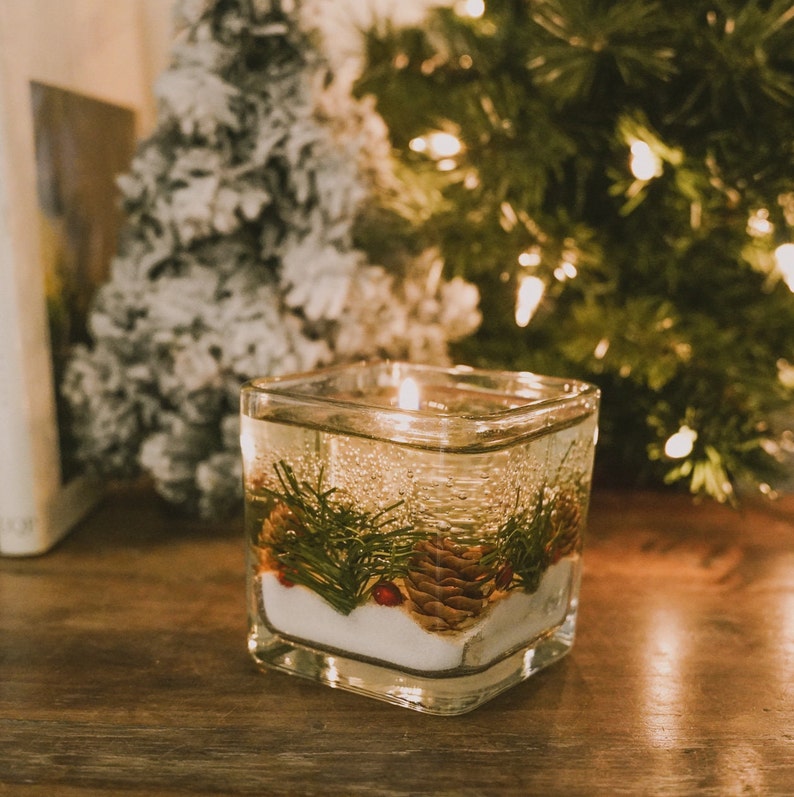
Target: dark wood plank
x=123 y=669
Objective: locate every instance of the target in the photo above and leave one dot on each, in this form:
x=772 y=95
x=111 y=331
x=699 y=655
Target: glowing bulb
x=644 y=164
x=446 y=164
x=529 y=259
x=784 y=257
x=681 y=443
x=471 y=8
x=601 y=349
x=569 y=269
x=758 y=224
x=408 y=398
x=471 y=181
x=418 y=144
x=443 y=145
x=530 y=294
x=785 y=373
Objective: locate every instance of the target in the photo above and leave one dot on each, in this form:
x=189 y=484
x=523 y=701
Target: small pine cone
x=280 y=523
x=446 y=583
x=566 y=523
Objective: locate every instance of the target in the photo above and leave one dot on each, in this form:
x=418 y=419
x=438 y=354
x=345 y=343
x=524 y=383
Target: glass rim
x=560 y=390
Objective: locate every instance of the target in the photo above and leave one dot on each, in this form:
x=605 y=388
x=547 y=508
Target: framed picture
x=75 y=96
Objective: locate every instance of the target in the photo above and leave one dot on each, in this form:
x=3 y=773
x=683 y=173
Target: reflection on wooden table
x=123 y=669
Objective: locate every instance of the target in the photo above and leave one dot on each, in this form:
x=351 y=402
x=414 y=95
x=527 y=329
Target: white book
x=75 y=95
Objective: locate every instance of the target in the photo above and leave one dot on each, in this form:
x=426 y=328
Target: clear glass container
x=415 y=533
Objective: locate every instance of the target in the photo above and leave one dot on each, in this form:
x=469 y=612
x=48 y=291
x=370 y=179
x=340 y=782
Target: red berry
x=386 y=593
x=283 y=580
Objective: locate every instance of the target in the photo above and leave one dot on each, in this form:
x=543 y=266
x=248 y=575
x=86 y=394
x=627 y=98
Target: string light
x=529 y=259
x=786 y=201
x=768 y=491
x=759 y=225
x=695 y=215
x=601 y=349
x=429 y=65
x=785 y=373
x=471 y=181
x=566 y=270
x=784 y=258
x=470 y=8
x=530 y=294
x=680 y=444
x=507 y=218
x=644 y=164
x=440 y=146
x=443 y=145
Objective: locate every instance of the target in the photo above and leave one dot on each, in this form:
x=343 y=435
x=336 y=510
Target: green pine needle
x=337 y=550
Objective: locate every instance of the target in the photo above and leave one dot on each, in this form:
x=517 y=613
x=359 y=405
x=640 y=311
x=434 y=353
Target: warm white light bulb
x=569 y=269
x=530 y=294
x=785 y=373
x=471 y=181
x=529 y=259
x=784 y=258
x=418 y=144
x=681 y=443
x=644 y=164
x=759 y=224
x=471 y=8
x=601 y=349
x=443 y=145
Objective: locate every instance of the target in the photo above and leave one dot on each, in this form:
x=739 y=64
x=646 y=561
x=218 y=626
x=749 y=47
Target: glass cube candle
x=415 y=533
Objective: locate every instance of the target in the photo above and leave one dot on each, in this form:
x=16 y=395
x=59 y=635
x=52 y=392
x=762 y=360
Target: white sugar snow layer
x=389 y=634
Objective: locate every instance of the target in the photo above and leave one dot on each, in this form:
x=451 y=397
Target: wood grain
x=123 y=670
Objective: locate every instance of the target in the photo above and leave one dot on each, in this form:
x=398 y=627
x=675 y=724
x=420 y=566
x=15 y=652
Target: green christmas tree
x=618 y=179
x=237 y=257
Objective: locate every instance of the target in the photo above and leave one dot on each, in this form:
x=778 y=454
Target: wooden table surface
x=123 y=670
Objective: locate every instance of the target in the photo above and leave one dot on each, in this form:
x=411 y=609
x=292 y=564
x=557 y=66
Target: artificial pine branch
x=332 y=547
x=534 y=538
x=676 y=307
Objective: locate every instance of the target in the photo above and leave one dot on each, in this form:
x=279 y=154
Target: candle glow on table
x=420 y=526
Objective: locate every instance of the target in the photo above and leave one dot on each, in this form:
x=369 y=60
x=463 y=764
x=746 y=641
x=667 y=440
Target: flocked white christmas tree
x=237 y=256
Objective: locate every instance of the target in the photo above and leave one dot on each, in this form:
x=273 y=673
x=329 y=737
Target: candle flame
x=408 y=398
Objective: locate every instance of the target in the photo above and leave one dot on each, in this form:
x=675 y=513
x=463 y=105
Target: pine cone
x=280 y=523
x=566 y=522
x=446 y=583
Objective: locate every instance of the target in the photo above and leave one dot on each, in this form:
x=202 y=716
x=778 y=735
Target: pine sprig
x=535 y=537
x=524 y=544
x=334 y=548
